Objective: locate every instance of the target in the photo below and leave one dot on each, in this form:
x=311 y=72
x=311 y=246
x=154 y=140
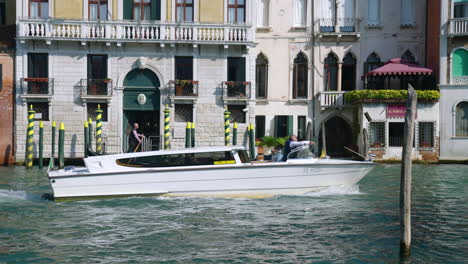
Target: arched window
x=261 y=78
x=408 y=57
x=330 y=73
x=300 y=76
x=262 y=13
x=348 y=77
x=460 y=63
x=373 y=62
x=461 y=120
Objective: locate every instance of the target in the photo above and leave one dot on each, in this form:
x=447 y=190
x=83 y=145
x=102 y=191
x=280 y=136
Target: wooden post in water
x=192 y=135
x=234 y=134
x=61 y=147
x=188 y=137
x=324 y=146
x=41 y=145
x=85 y=153
x=90 y=133
x=99 y=130
x=252 y=141
x=405 y=182
x=52 y=154
x=167 y=129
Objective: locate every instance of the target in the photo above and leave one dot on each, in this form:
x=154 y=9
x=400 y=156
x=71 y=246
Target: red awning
x=398 y=67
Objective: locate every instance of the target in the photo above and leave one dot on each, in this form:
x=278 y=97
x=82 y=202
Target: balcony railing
x=333 y=99
x=184 y=88
x=459 y=26
x=120 y=31
x=338 y=25
x=37 y=86
x=236 y=90
x=459 y=80
x=96 y=87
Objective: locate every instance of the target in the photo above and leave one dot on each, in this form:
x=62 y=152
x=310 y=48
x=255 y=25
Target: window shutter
x=127 y=9
x=276 y=126
x=155 y=9
x=290 y=125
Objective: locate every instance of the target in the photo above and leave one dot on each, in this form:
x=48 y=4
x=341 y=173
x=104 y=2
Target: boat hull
x=258 y=180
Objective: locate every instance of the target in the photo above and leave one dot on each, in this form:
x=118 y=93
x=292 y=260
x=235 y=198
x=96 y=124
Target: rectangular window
x=300 y=13
x=98 y=9
x=301 y=128
x=426 y=134
x=92 y=107
x=182 y=159
x=2 y=14
x=141 y=9
x=183 y=113
x=262 y=13
x=184 y=10
x=236 y=78
x=395 y=134
x=283 y=126
x=373 y=14
x=259 y=126
x=41 y=109
x=236 y=11
x=183 y=68
x=38 y=73
x=237 y=113
x=39 y=8
x=261 y=78
x=377 y=134
x=97 y=75
x=406 y=13
x=460 y=10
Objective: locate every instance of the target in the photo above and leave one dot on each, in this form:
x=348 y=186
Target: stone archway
x=141 y=104
x=338 y=134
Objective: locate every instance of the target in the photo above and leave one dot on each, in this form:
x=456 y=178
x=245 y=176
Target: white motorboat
x=214 y=171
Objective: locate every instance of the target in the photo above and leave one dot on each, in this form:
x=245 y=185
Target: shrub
x=358 y=95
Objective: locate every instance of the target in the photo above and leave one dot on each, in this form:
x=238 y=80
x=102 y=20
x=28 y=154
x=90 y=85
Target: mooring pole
x=30 y=138
x=188 y=137
x=85 y=145
x=52 y=153
x=324 y=146
x=252 y=142
x=41 y=145
x=405 y=182
x=90 y=133
x=99 y=130
x=234 y=134
x=167 y=143
x=226 y=127
x=192 y=134
x=61 y=150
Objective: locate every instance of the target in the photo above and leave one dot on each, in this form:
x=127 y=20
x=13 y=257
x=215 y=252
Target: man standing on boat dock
x=134 y=139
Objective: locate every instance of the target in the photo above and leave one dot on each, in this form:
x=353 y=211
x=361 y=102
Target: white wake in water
x=12 y=196
x=336 y=190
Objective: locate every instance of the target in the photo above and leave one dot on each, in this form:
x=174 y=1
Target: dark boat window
x=181 y=159
x=243 y=156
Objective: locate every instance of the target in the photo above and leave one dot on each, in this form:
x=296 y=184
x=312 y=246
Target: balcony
x=332 y=100
x=236 y=90
x=183 y=90
x=95 y=89
x=331 y=29
x=458 y=26
x=37 y=87
x=134 y=31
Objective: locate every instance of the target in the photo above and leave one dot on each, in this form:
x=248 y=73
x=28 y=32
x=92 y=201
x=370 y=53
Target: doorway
x=338 y=134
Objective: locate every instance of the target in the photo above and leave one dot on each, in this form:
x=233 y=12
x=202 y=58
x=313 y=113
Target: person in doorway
x=291 y=144
x=134 y=139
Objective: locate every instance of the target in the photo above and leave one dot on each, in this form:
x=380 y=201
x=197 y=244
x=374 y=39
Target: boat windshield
x=301 y=152
x=180 y=159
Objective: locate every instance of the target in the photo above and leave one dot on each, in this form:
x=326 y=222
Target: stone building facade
x=132 y=58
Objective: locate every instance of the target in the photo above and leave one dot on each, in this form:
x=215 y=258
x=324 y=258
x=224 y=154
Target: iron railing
x=184 y=87
x=98 y=87
x=37 y=86
x=458 y=26
x=236 y=90
x=343 y=25
x=333 y=99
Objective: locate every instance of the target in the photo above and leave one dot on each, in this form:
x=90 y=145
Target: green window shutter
x=290 y=125
x=155 y=9
x=460 y=63
x=276 y=126
x=127 y=9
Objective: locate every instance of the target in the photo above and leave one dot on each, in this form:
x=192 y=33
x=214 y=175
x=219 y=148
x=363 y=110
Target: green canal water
x=352 y=225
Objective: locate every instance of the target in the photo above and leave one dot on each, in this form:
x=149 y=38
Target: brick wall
x=6 y=110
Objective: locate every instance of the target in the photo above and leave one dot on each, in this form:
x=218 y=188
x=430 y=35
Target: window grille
x=461 y=120
x=183 y=113
x=377 y=134
x=426 y=134
x=41 y=109
x=237 y=113
x=92 y=107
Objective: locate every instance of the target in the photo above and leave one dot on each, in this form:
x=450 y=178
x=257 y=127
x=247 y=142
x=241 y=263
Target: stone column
x=340 y=71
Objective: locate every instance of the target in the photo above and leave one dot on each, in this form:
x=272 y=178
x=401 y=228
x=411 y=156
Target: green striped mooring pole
x=41 y=145
x=30 y=138
x=85 y=144
x=52 y=153
x=167 y=143
x=99 y=130
x=226 y=127
x=192 y=134
x=61 y=146
x=252 y=141
x=234 y=134
x=188 y=137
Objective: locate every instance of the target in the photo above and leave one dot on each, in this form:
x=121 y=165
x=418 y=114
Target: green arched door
x=141 y=104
